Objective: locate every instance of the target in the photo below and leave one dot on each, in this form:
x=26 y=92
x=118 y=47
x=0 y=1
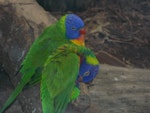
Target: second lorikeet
x=58 y=78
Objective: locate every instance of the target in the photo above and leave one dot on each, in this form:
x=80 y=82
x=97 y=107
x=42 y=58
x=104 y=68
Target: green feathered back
x=44 y=45
x=58 y=80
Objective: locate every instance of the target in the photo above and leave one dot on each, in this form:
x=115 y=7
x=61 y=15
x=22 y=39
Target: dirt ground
x=115 y=90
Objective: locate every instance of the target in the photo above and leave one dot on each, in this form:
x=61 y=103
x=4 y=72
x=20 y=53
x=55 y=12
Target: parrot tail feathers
x=11 y=98
x=47 y=105
x=47 y=99
x=24 y=80
x=61 y=102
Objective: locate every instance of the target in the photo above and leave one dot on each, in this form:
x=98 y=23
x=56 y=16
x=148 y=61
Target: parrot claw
x=82 y=103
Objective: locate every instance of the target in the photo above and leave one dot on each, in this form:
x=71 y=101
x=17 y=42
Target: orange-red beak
x=80 y=41
x=82 y=31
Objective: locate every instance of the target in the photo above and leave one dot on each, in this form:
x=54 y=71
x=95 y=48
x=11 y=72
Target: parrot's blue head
x=74 y=25
x=88 y=72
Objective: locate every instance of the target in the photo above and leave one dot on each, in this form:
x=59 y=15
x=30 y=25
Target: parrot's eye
x=87 y=73
x=73 y=28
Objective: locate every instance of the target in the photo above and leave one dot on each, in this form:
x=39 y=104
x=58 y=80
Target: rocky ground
x=115 y=90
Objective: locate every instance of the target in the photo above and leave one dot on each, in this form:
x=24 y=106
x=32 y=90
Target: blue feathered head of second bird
x=87 y=72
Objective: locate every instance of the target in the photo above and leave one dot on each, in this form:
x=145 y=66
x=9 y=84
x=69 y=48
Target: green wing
x=51 y=38
x=44 y=45
x=58 y=80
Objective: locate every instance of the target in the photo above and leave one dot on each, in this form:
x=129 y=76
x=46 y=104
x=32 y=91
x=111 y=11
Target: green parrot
x=52 y=57
x=59 y=75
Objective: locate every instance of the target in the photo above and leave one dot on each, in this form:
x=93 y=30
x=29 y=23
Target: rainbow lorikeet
x=53 y=60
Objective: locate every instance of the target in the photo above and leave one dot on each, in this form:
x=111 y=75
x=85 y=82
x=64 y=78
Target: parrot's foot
x=82 y=103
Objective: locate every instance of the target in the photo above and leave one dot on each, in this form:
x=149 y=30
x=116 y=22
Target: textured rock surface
x=115 y=90
x=20 y=23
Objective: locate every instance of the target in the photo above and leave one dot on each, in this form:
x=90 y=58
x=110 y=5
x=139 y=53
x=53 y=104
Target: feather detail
x=92 y=60
x=58 y=80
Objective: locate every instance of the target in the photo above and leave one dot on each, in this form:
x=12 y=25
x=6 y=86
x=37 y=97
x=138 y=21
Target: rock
x=121 y=90
x=21 y=22
x=66 y=5
x=106 y=58
x=115 y=90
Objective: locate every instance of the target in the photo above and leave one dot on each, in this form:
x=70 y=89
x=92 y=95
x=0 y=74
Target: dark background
x=127 y=36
